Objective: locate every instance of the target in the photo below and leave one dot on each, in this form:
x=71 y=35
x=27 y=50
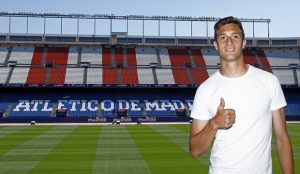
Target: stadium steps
x=53 y=112
x=9 y=75
x=158 y=58
x=113 y=56
x=8 y=56
x=79 y=57
x=125 y=57
x=85 y=75
x=48 y=74
x=154 y=75
x=44 y=57
x=261 y=55
x=98 y=113
x=192 y=58
x=143 y=109
x=188 y=112
x=295 y=76
x=119 y=76
x=189 y=74
x=118 y=58
x=7 y=111
x=260 y=64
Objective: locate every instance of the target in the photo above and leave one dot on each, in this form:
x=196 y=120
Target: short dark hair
x=228 y=20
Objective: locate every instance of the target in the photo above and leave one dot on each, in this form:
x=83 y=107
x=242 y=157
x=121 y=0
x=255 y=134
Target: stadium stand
x=250 y=58
x=4 y=71
x=57 y=76
x=91 y=55
x=37 y=58
x=4 y=50
x=278 y=57
x=145 y=75
x=156 y=82
x=164 y=57
x=22 y=54
x=107 y=57
x=19 y=75
x=285 y=76
x=36 y=75
x=57 y=55
x=94 y=76
x=129 y=76
x=74 y=76
x=146 y=56
x=211 y=56
x=263 y=59
x=73 y=56
x=164 y=76
x=179 y=57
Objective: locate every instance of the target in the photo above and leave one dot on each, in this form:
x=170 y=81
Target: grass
x=108 y=149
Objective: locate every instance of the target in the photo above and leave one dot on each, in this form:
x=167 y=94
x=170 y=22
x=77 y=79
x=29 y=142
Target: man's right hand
x=224 y=118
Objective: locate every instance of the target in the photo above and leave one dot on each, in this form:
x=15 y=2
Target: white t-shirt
x=246 y=146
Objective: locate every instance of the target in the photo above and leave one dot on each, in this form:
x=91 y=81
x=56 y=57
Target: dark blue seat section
x=3 y=106
x=135 y=102
x=28 y=104
x=16 y=96
x=159 y=108
x=31 y=108
x=176 y=96
x=106 y=104
x=77 y=107
x=133 y=106
x=108 y=108
x=293 y=106
x=94 y=104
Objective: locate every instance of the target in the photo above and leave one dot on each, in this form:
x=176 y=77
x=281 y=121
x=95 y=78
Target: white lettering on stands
x=106 y=105
x=152 y=105
x=61 y=104
x=46 y=108
x=178 y=104
x=135 y=105
x=95 y=108
x=83 y=105
x=73 y=104
x=107 y=108
x=35 y=104
x=22 y=104
x=167 y=104
x=122 y=103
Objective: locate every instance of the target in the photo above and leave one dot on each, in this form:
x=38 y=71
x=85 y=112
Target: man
x=236 y=106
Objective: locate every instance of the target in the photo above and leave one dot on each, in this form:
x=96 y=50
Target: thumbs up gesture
x=224 y=118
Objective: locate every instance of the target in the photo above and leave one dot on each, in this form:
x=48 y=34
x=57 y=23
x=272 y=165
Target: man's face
x=229 y=42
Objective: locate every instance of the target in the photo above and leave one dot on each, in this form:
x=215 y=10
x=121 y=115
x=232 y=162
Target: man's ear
x=216 y=45
x=244 y=43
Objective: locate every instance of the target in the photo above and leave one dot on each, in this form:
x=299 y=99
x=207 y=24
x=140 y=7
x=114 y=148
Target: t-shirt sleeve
x=278 y=99
x=200 y=109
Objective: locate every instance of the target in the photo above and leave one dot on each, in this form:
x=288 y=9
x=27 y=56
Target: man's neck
x=233 y=69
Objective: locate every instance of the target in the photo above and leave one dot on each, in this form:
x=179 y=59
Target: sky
x=284 y=15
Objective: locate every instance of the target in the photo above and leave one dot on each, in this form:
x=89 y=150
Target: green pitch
x=131 y=149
